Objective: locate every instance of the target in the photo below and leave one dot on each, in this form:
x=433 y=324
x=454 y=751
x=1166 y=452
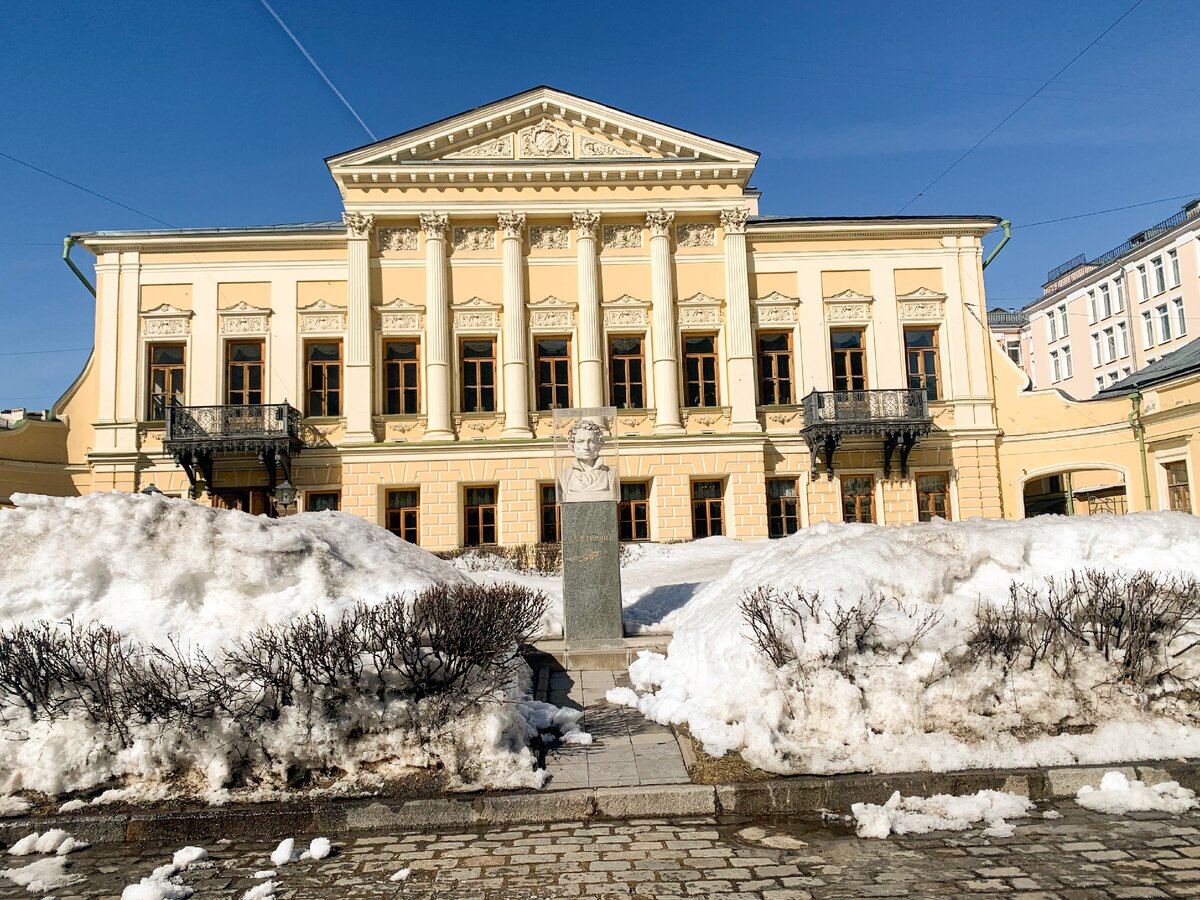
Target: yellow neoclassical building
x=538 y=252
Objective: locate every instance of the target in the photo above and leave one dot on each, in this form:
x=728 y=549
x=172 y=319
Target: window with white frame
x=1062 y=320
x=1055 y=370
x=1120 y=283
x=1173 y=257
x=1110 y=345
x=1013 y=348
x=1096 y=357
x=1092 y=317
x=1147 y=330
x=1113 y=377
x=1126 y=372
x=1099 y=382
x=1051 y=327
x=1160 y=275
x=1105 y=301
x=1068 y=369
x=1164 y=322
x=1143 y=283
x=1180 y=318
x=1123 y=336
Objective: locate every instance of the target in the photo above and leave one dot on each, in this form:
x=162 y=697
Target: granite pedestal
x=591 y=574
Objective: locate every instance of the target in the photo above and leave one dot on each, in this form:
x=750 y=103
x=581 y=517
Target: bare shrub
x=772 y=614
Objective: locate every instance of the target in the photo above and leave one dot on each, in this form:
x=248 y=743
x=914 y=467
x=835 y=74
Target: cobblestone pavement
x=1081 y=855
x=628 y=750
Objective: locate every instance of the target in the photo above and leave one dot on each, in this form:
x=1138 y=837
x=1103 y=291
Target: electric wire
x=1101 y=212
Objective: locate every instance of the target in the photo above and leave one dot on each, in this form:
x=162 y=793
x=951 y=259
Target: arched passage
x=1077 y=490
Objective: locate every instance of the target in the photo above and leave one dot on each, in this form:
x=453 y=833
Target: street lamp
x=151 y=490
x=285 y=495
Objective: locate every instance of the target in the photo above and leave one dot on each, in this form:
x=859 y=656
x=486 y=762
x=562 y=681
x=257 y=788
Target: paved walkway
x=1081 y=856
x=627 y=750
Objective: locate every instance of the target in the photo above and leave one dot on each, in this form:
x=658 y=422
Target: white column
x=437 y=330
x=516 y=358
x=358 y=389
x=108 y=277
x=743 y=415
x=666 y=341
x=591 y=351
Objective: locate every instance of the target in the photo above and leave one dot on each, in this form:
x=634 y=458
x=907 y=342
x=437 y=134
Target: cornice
x=184 y=243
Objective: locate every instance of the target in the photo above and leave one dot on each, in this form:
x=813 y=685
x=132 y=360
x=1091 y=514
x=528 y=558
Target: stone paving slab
x=1080 y=855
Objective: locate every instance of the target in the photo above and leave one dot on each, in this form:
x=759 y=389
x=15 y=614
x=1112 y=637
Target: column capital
x=358 y=224
x=586 y=223
x=434 y=225
x=659 y=222
x=733 y=221
x=512 y=224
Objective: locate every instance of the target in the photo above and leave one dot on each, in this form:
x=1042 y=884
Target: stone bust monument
x=586 y=478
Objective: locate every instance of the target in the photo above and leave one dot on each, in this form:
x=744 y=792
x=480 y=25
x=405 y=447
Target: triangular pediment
x=543 y=125
x=321 y=305
x=922 y=293
x=627 y=300
x=167 y=310
x=700 y=299
x=775 y=298
x=850 y=294
x=476 y=303
x=244 y=308
x=399 y=304
x=551 y=302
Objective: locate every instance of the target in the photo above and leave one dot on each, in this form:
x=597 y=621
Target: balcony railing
x=253 y=428
x=899 y=416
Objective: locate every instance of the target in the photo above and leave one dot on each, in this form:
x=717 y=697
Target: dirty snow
x=899 y=705
x=1118 y=795
x=53 y=841
x=284 y=853
x=42 y=875
x=941 y=812
x=13 y=806
x=264 y=891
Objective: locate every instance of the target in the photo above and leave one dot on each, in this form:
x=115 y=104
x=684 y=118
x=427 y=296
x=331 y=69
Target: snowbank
x=941 y=812
x=1118 y=795
x=898 y=705
x=153 y=566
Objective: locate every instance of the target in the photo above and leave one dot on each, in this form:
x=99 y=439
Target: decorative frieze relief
x=626 y=312
x=551 y=312
x=590 y=147
x=476 y=314
x=476 y=237
x=166 y=320
x=775 y=309
x=434 y=225
x=695 y=234
x=242 y=318
x=545 y=140
x=622 y=236
x=404 y=238
x=733 y=221
x=705 y=418
x=511 y=224
x=399 y=317
x=848 y=306
x=475 y=422
x=585 y=223
x=496 y=148
x=699 y=310
x=922 y=304
x=548 y=237
x=659 y=222
x=322 y=316
x=358 y=224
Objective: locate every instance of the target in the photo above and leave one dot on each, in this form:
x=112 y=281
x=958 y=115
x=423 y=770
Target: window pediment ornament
x=166 y=320
x=700 y=310
x=476 y=314
x=922 y=304
x=626 y=312
x=242 y=318
x=848 y=306
x=544 y=140
x=322 y=317
x=551 y=312
x=775 y=309
x=399 y=317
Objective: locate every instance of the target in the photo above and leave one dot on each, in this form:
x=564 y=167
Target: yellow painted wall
x=333 y=292
x=834 y=283
x=155 y=295
x=255 y=293
x=908 y=280
x=764 y=283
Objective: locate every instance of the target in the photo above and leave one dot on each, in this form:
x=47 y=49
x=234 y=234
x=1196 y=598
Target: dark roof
x=298 y=228
x=1184 y=361
x=1000 y=318
x=800 y=220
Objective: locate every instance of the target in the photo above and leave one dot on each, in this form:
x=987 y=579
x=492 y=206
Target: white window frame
x=1062 y=321
x=1092 y=317
x=1113 y=377
x=1173 y=256
x=1143 y=283
x=1099 y=382
x=1110 y=344
x=1160 y=274
x=1164 y=323
x=1055 y=370
x=1180 y=318
x=1147 y=330
x=1096 y=354
x=1068 y=368
x=1123 y=339
x=1051 y=327
x=1120 y=285
x=1106 y=300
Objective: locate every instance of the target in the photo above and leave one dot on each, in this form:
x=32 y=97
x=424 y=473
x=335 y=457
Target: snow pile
x=401 y=875
x=13 y=806
x=907 y=696
x=53 y=841
x=42 y=876
x=1118 y=795
x=941 y=812
x=166 y=882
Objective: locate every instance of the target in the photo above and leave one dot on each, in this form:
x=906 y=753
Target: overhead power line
x=86 y=190
x=35 y=352
x=319 y=70
x=1023 y=104
x=1101 y=212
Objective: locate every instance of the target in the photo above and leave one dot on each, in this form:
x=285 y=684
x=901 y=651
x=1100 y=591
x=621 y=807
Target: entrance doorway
x=256 y=501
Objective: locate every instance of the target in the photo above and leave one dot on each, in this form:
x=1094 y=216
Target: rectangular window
x=1051 y=327
x=625 y=367
x=1110 y=345
x=1164 y=323
x=1147 y=330
x=1013 y=348
x=478 y=357
x=164 y=379
x=1055 y=371
x=1092 y=311
x=633 y=512
x=1099 y=382
x=553 y=372
x=858 y=499
x=401 y=378
x=551 y=523
x=707 y=517
x=921 y=350
x=322 y=501
x=1120 y=283
x=1068 y=369
x=1179 y=494
x=1097 y=358
x=1113 y=377
x=1123 y=339
x=1105 y=300
x=933 y=496
x=244 y=373
x=323 y=378
x=847 y=347
x=402 y=514
x=1062 y=320
x=480 y=515
x=1173 y=256
x=1143 y=284
x=700 y=370
x=783 y=512
x=1160 y=275
x=1180 y=318
x=775 y=368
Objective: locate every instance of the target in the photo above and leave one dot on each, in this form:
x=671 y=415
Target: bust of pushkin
x=586 y=478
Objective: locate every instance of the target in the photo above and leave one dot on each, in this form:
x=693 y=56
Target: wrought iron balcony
x=195 y=433
x=900 y=416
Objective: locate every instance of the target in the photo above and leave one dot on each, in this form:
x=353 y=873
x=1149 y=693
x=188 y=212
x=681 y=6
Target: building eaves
x=837 y=220
x=1182 y=362
x=298 y=228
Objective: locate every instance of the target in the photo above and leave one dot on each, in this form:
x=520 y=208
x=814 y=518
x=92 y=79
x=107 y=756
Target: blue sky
x=206 y=114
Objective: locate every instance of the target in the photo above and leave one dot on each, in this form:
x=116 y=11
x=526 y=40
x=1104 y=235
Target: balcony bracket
x=900 y=417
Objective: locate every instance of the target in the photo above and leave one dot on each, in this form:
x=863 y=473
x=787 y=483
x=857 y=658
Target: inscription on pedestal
x=591 y=574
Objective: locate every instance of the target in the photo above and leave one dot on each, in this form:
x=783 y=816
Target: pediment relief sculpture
x=850 y=295
x=166 y=309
